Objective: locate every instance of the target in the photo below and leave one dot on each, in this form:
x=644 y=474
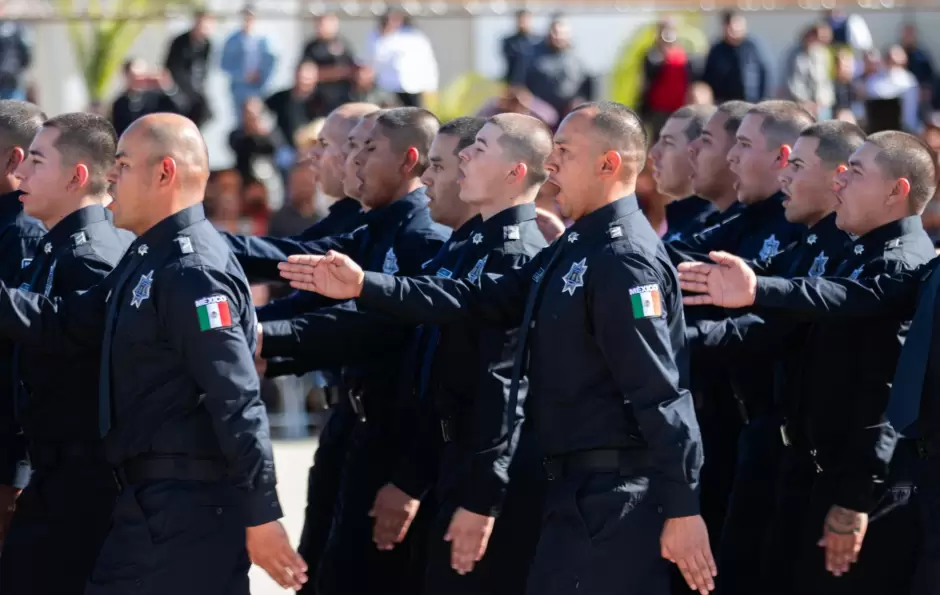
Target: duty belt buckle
x=355 y=399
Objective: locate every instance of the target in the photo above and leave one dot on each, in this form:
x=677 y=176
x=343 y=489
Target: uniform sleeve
x=713 y=238
x=333 y=337
x=259 y=256
x=828 y=297
x=435 y=300
x=639 y=353
x=720 y=341
x=73 y=322
x=417 y=468
x=292 y=305
x=494 y=430
x=206 y=314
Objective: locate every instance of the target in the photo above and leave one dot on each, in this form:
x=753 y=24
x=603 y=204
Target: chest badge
x=142 y=290
x=142 y=250
x=811 y=239
x=819 y=265
x=390 y=266
x=477 y=271
x=477 y=238
x=47 y=248
x=859 y=249
x=574 y=278
x=573 y=237
x=856 y=273
x=770 y=248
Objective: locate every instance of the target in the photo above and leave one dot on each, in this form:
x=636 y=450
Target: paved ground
x=292 y=458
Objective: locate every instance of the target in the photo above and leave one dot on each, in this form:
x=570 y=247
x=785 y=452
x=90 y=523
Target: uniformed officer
x=63 y=184
x=672 y=169
x=836 y=472
x=20 y=235
x=179 y=399
x=615 y=426
x=818 y=154
x=465 y=379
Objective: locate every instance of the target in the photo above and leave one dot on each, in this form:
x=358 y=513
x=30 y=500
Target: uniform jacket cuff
x=14 y=466
x=680 y=500
x=376 y=286
x=261 y=506
x=770 y=290
x=278 y=339
x=482 y=501
x=855 y=492
x=410 y=480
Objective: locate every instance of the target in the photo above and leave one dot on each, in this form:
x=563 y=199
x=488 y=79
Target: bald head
x=618 y=126
x=346 y=116
x=173 y=136
x=525 y=139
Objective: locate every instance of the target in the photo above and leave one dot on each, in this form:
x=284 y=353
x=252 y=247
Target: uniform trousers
x=174 y=537
x=351 y=564
x=505 y=565
x=927 y=577
x=600 y=536
x=323 y=483
x=795 y=565
x=61 y=520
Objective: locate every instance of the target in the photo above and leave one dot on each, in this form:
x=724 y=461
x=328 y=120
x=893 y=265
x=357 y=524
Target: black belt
x=143 y=469
x=627 y=463
x=48 y=455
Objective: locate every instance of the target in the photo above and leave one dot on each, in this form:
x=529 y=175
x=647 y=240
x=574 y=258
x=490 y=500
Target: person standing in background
x=667 y=74
x=145 y=93
x=808 y=74
x=517 y=49
x=15 y=57
x=335 y=60
x=735 y=68
x=403 y=59
x=555 y=74
x=187 y=60
x=248 y=61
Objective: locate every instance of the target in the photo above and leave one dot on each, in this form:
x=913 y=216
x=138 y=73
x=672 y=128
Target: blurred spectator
x=187 y=60
x=256 y=213
x=306 y=138
x=144 y=93
x=919 y=62
x=223 y=200
x=403 y=59
x=735 y=68
x=518 y=100
x=297 y=106
x=15 y=57
x=849 y=30
x=699 y=93
x=248 y=61
x=667 y=74
x=846 y=97
x=334 y=57
x=300 y=209
x=808 y=74
x=518 y=48
x=555 y=74
x=254 y=140
x=891 y=93
x=365 y=90
x=931 y=216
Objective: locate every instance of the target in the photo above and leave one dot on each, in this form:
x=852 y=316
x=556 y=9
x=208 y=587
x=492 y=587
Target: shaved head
x=783 y=121
x=528 y=140
x=619 y=127
x=410 y=127
x=178 y=138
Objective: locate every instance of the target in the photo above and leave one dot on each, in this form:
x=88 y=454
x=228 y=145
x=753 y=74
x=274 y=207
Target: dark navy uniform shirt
x=606 y=348
x=76 y=254
x=343 y=217
x=469 y=372
x=19 y=237
x=180 y=370
x=687 y=217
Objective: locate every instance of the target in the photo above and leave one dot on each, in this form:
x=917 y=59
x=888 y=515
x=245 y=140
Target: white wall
x=463 y=43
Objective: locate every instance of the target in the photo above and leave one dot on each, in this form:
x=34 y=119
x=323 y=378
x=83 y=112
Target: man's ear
x=17 y=155
x=783 y=156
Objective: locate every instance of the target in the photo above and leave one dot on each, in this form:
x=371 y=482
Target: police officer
x=836 y=466
x=465 y=380
x=20 y=235
x=63 y=184
x=601 y=330
x=179 y=399
x=672 y=169
x=818 y=154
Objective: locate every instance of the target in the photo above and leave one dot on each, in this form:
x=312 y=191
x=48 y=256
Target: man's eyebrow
x=856 y=163
x=482 y=141
x=434 y=159
x=741 y=137
x=797 y=161
x=36 y=152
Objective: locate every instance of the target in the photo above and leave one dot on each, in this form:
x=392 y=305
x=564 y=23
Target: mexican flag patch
x=646 y=301
x=213 y=312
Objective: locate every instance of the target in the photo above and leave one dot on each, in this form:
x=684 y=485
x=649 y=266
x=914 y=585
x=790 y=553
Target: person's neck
x=171 y=208
x=612 y=193
x=817 y=218
x=768 y=190
x=496 y=206
x=466 y=216
x=881 y=222
x=724 y=200
x=406 y=188
x=69 y=206
x=679 y=196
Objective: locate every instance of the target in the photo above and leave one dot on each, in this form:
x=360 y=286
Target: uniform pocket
x=184 y=513
x=604 y=500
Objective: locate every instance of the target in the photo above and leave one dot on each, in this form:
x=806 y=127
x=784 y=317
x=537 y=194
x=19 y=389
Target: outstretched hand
x=730 y=282
x=334 y=275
